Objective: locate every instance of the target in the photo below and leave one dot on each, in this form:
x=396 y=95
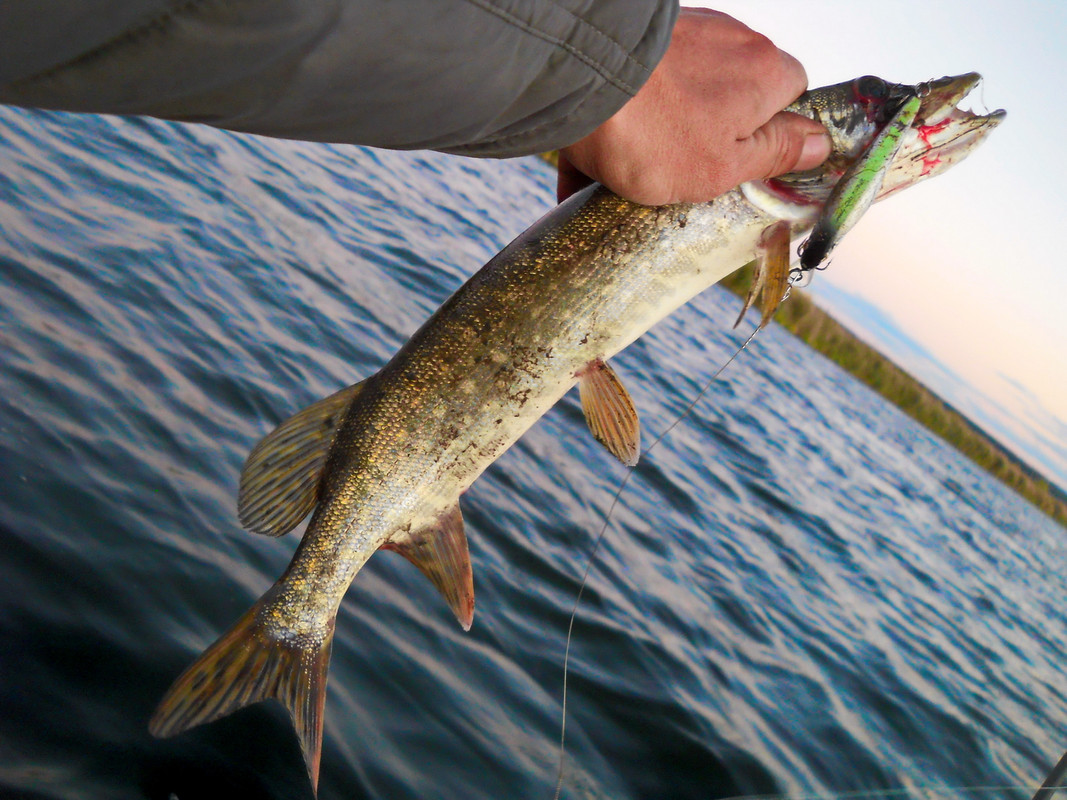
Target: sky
x=961 y=279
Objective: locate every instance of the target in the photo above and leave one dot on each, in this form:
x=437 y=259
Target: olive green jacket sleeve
x=479 y=77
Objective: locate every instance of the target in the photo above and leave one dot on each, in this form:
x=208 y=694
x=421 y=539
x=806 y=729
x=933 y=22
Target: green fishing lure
x=858 y=187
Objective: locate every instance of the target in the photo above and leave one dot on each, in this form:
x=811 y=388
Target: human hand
x=709 y=118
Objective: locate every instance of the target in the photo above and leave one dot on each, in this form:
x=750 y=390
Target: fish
x=382 y=464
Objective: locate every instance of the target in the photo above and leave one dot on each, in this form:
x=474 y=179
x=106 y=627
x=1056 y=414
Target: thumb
x=786 y=143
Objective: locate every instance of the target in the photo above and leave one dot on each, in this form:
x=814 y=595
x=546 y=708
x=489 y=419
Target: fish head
x=854 y=113
x=941 y=135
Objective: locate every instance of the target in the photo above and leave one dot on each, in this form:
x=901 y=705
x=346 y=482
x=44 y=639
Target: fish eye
x=870 y=88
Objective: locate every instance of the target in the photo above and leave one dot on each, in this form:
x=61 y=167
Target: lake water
x=801 y=593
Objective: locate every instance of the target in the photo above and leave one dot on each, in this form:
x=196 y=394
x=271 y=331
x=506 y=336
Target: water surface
x=801 y=592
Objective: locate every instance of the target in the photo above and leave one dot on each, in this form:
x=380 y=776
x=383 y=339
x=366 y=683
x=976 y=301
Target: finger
x=786 y=143
x=794 y=79
x=760 y=78
x=781 y=81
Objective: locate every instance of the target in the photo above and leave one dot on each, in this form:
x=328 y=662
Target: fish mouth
x=942 y=134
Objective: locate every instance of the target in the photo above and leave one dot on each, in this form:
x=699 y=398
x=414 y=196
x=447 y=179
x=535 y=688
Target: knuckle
x=759 y=48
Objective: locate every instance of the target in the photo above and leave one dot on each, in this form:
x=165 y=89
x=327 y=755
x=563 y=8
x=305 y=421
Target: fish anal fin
x=440 y=552
x=610 y=412
x=247 y=665
x=280 y=478
x=773 y=252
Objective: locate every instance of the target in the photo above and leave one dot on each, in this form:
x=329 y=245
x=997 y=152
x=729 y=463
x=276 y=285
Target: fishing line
x=797 y=278
x=591 y=559
x=981 y=95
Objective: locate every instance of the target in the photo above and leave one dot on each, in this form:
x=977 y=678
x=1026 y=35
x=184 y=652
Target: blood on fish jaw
x=929 y=162
x=926 y=131
x=789 y=194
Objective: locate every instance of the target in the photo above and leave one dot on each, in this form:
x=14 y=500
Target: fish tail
x=247 y=665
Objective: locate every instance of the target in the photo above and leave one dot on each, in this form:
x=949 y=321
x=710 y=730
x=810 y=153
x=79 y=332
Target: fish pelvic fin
x=609 y=411
x=247 y=665
x=759 y=278
x=280 y=478
x=773 y=249
x=770 y=276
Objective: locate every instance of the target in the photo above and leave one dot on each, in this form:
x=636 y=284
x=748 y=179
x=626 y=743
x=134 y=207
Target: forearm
x=482 y=77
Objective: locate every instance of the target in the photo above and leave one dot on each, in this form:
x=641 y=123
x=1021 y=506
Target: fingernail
x=816 y=150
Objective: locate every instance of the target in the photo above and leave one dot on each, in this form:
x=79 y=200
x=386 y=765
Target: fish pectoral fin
x=759 y=278
x=610 y=412
x=280 y=478
x=772 y=252
x=440 y=552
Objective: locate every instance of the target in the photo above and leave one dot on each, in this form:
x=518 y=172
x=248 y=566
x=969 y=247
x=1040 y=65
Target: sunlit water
x=801 y=592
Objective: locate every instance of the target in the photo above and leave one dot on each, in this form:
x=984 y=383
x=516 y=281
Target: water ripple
x=800 y=591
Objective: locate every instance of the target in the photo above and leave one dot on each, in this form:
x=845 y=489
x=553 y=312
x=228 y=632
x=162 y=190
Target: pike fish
x=382 y=464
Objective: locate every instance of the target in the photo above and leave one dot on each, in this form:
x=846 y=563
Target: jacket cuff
x=602 y=63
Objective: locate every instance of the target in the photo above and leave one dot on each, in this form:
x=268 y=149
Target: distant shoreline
x=816 y=328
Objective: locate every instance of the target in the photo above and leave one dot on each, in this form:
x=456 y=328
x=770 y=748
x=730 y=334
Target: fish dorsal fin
x=610 y=412
x=280 y=478
x=770 y=279
x=440 y=551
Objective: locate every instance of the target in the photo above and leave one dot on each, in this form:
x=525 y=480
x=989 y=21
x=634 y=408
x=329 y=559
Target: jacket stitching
x=590 y=62
x=147 y=28
x=602 y=35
